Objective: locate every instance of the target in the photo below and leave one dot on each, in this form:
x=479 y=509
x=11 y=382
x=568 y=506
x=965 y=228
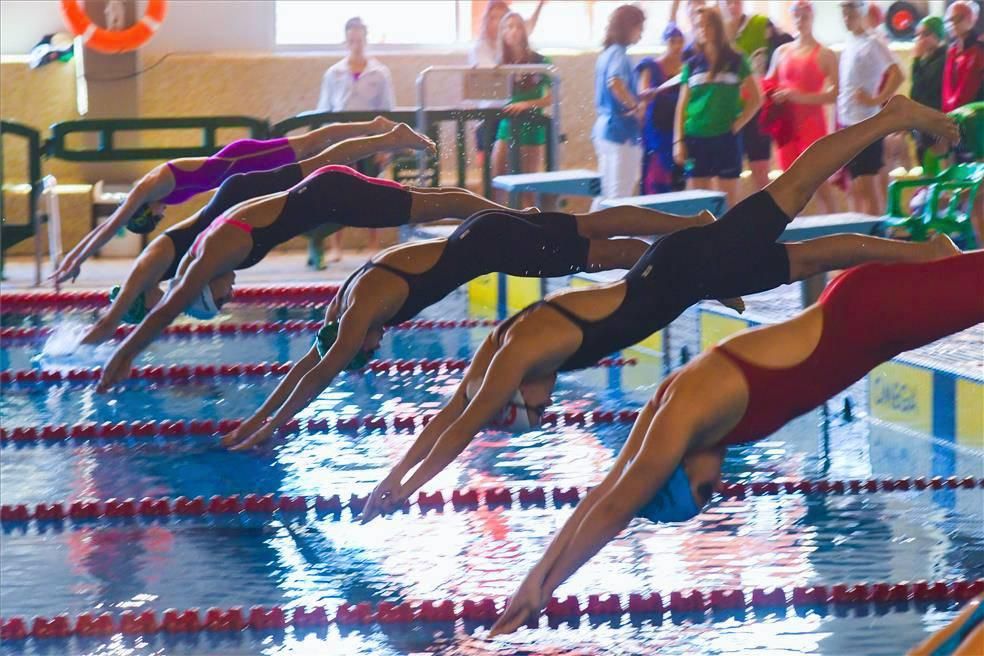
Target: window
x=322 y=22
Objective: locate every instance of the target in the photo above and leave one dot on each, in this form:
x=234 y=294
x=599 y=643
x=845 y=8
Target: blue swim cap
x=327 y=336
x=136 y=312
x=674 y=503
x=143 y=220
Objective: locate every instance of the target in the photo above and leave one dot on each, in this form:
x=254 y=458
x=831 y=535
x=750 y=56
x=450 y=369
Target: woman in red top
x=806 y=75
x=763 y=378
x=963 y=74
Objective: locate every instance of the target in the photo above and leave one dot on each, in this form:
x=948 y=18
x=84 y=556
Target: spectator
x=805 y=77
x=616 y=130
x=356 y=83
x=710 y=114
x=530 y=92
x=659 y=173
x=693 y=6
x=484 y=51
x=868 y=76
x=752 y=36
x=963 y=75
x=483 y=54
x=927 y=73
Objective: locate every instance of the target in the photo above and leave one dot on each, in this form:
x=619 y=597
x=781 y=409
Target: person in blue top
x=659 y=173
x=616 y=130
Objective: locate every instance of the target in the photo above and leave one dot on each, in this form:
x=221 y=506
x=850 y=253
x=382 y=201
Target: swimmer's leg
x=352 y=150
x=814 y=256
x=793 y=189
x=630 y=221
x=311 y=143
x=453 y=204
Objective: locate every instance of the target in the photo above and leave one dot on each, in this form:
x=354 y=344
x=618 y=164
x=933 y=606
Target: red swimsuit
x=870 y=314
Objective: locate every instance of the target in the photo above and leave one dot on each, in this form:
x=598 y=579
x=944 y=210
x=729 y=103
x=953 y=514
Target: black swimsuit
x=541 y=245
x=733 y=256
x=234 y=190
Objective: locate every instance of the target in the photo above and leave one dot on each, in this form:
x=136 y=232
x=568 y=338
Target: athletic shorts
x=869 y=161
x=714 y=157
x=757 y=144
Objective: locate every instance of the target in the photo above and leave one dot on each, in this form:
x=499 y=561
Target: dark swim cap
x=143 y=220
x=327 y=336
x=136 y=312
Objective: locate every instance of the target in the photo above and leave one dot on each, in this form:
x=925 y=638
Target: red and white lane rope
x=459 y=500
x=486 y=610
x=184 y=373
x=206 y=427
x=252 y=328
x=63 y=300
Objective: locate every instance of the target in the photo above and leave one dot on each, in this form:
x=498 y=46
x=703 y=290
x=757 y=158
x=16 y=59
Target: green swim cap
x=143 y=220
x=327 y=336
x=935 y=25
x=136 y=312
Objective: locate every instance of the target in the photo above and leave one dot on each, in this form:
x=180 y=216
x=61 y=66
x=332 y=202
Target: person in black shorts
x=515 y=369
x=404 y=279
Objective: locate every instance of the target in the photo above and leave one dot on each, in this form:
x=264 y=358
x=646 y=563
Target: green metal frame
x=14 y=234
x=105 y=129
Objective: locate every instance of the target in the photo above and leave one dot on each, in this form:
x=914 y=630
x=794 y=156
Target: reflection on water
x=785 y=540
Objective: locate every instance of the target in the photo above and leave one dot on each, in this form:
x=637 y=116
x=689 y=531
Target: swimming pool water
x=785 y=540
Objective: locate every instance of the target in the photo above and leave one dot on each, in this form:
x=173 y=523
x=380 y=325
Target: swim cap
x=972 y=8
x=674 y=502
x=204 y=306
x=136 y=312
x=671 y=32
x=515 y=416
x=935 y=25
x=143 y=220
x=327 y=336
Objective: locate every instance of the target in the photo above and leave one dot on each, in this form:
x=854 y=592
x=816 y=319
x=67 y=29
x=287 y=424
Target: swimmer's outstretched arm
x=150 y=188
x=652 y=452
x=505 y=373
x=144 y=277
x=310 y=376
x=381 y=499
x=213 y=263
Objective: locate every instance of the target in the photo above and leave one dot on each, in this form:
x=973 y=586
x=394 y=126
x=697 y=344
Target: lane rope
x=483 y=611
x=179 y=373
x=63 y=300
x=250 y=328
x=156 y=508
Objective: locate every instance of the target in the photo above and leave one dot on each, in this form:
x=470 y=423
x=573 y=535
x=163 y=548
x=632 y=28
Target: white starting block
x=574 y=182
x=686 y=202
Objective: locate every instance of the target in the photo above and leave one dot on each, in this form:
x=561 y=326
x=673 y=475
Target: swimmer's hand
x=116 y=370
x=241 y=432
x=68 y=270
x=381 y=499
x=258 y=437
x=523 y=607
x=100 y=332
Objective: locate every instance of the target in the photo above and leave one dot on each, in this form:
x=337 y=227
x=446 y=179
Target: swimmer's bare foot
x=406 y=137
x=942 y=246
x=381 y=124
x=737 y=304
x=920 y=117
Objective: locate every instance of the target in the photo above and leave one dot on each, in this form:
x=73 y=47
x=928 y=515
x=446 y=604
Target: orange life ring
x=113 y=41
